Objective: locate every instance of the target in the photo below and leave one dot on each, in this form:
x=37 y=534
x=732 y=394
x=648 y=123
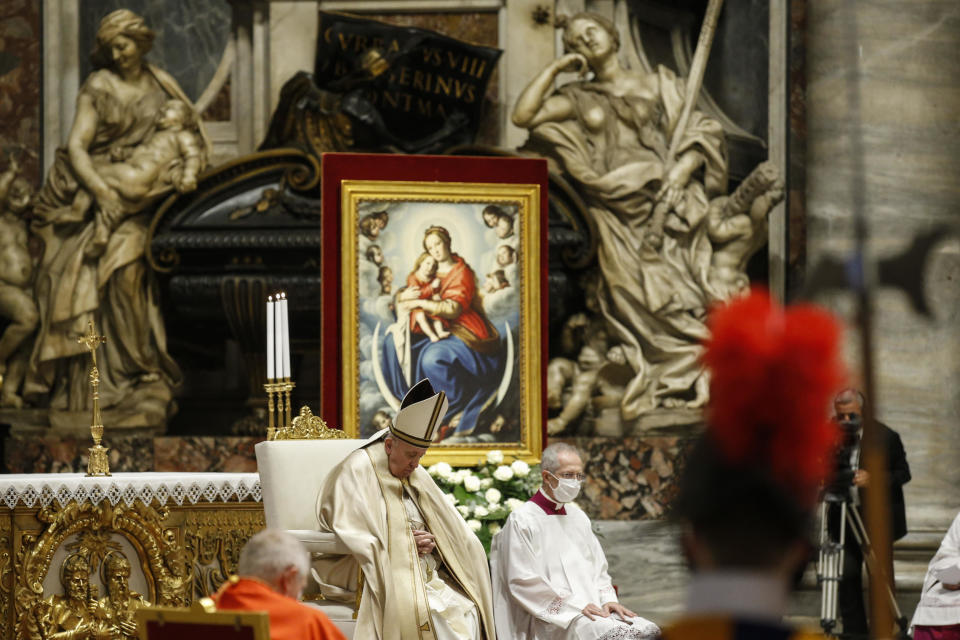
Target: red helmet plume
x=773 y=373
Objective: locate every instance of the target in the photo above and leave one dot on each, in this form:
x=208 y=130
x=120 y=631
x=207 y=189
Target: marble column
x=901 y=56
x=293 y=42
x=519 y=65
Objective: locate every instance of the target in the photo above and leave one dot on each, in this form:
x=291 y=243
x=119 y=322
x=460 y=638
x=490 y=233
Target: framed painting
x=442 y=279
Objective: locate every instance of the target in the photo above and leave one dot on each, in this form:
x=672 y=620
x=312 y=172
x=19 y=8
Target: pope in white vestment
x=425 y=574
x=550 y=579
x=939 y=605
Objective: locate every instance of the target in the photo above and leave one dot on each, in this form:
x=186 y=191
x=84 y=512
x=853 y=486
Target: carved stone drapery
x=652 y=168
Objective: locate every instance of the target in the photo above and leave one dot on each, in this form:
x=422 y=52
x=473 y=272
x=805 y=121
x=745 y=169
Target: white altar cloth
x=42 y=489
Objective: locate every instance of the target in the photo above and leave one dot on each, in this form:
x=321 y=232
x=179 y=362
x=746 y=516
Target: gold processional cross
x=97 y=464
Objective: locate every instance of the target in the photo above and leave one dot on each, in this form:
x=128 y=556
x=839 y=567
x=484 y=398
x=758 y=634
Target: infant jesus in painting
x=424 y=279
x=170 y=157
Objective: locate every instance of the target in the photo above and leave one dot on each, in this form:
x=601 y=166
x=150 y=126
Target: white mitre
x=421 y=413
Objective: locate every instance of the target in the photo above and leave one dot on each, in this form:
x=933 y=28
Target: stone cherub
x=736 y=226
x=171 y=157
x=596 y=378
x=16 y=279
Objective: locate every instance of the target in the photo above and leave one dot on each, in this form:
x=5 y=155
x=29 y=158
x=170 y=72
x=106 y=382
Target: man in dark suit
x=848 y=407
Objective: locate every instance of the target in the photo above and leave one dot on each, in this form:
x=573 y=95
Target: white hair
x=851 y=395
x=271 y=552
x=550 y=458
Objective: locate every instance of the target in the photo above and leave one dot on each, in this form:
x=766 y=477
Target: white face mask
x=567 y=489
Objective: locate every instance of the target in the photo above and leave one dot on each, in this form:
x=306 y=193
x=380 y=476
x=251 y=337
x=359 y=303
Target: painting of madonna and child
x=446 y=290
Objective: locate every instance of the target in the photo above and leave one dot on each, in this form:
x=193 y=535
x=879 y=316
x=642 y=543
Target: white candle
x=286 y=337
x=270 y=356
x=277 y=339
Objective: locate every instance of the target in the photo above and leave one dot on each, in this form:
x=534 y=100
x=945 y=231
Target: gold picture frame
x=173 y=622
x=488 y=338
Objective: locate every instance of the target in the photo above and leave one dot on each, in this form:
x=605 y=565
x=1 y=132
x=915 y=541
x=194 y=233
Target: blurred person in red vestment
x=272 y=572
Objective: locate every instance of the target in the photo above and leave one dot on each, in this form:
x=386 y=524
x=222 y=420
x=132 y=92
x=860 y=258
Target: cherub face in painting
x=490 y=218
x=505 y=255
x=504 y=226
x=370 y=227
x=381 y=420
x=427 y=269
x=495 y=281
x=381 y=218
x=375 y=254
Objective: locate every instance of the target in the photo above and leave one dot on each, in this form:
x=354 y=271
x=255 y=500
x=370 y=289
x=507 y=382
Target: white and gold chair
x=292 y=468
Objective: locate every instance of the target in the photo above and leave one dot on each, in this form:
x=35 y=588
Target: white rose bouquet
x=485 y=494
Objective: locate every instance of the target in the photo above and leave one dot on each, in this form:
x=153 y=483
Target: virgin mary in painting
x=468 y=363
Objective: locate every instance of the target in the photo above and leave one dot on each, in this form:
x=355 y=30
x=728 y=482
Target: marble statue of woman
x=611 y=132
x=78 y=280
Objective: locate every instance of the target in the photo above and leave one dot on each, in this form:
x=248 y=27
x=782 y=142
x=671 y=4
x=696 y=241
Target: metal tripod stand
x=830 y=561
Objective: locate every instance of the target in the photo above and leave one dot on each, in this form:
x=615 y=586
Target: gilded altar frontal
x=254 y=253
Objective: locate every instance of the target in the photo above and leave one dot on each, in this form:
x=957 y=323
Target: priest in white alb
x=425 y=574
x=550 y=579
x=938 y=613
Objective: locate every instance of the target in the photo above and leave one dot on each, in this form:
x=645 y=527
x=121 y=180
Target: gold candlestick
x=97 y=464
x=271 y=425
x=287 y=388
x=278 y=405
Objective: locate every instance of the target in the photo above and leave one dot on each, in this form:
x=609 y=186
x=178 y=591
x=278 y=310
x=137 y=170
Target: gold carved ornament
x=307 y=426
x=175 y=574
x=6 y=567
x=213 y=540
x=66 y=616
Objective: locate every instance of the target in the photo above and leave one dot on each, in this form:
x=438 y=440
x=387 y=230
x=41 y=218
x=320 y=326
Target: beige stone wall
x=904 y=63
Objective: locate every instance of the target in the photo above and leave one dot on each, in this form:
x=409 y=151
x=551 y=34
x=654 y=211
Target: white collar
x=556 y=505
x=751 y=594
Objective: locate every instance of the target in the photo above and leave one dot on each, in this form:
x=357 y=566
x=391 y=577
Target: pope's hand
x=425 y=541
x=951 y=587
x=593 y=612
x=617 y=608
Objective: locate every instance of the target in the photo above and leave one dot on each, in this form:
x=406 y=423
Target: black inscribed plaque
x=431 y=81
